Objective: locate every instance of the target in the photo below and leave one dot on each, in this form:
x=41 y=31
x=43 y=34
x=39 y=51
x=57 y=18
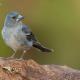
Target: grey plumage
x=18 y=35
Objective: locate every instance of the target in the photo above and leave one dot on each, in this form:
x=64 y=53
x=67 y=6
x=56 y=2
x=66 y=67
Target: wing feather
x=29 y=35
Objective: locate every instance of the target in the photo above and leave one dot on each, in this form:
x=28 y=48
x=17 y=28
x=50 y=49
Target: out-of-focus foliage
x=56 y=23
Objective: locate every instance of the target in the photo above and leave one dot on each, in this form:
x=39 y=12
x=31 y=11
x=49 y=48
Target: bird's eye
x=14 y=17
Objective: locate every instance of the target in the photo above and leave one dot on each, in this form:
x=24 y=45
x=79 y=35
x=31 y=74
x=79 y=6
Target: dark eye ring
x=14 y=17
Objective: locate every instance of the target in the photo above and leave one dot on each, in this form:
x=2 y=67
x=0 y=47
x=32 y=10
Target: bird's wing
x=29 y=35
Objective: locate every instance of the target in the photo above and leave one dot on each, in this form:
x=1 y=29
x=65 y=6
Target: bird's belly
x=13 y=43
x=17 y=44
x=10 y=39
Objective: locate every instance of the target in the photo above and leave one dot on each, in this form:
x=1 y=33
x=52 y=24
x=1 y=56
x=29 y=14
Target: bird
x=19 y=36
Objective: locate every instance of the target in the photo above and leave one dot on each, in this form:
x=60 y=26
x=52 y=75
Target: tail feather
x=42 y=48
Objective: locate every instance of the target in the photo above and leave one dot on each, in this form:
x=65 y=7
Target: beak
x=19 y=18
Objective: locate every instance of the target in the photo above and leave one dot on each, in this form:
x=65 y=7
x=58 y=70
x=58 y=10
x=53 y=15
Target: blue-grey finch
x=19 y=36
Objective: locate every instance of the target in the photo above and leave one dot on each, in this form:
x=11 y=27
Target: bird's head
x=13 y=18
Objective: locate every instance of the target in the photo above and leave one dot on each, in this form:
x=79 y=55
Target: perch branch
x=12 y=69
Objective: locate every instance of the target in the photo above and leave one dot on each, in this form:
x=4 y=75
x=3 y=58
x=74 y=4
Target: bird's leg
x=22 y=55
x=12 y=56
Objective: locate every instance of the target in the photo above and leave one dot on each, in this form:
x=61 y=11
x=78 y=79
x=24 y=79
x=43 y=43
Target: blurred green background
x=56 y=23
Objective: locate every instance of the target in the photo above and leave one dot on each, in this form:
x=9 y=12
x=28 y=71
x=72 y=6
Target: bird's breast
x=9 y=38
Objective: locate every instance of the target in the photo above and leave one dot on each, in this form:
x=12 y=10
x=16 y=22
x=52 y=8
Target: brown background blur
x=56 y=23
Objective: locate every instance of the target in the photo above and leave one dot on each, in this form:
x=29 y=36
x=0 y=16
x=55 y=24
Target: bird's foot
x=20 y=59
x=12 y=56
